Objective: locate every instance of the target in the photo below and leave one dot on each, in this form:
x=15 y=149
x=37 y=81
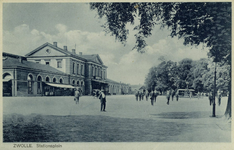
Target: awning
x=60 y=85
x=101 y=81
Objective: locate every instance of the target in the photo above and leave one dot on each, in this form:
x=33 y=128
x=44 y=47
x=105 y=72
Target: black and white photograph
x=108 y=75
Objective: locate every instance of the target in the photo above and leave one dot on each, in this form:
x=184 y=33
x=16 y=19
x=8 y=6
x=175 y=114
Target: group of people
x=211 y=98
x=152 y=95
x=100 y=94
x=140 y=94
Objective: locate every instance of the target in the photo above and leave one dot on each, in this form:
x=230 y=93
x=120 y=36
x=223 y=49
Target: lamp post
x=214 y=93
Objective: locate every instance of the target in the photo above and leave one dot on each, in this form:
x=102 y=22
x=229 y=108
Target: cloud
x=124 y=64
x=61 y=28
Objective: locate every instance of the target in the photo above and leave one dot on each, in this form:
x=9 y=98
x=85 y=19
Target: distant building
x=50 y=70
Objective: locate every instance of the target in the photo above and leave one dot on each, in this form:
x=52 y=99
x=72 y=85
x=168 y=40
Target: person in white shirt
x=77 y=95
x=102 y=97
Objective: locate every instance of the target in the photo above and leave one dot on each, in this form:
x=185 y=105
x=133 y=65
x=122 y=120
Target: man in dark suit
x=102 y=97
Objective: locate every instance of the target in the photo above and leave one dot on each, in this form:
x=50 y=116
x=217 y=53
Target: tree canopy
x=207 y=23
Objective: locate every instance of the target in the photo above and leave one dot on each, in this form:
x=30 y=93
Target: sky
x=27 y=26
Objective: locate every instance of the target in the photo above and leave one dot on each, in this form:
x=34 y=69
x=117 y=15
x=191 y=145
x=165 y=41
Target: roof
x=91 y=58
x=15 y=63
x=56 y=48
x=109 y=80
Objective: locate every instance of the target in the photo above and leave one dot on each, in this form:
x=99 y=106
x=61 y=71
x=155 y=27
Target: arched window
x=81 y=83
x=60 y=80
x=47 y=79
x=78 y=83
x=73 y=82
x=30 y=84
x=39 y=89
x=7 y=76
x=54 y=80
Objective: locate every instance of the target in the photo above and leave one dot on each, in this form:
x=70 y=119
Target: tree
x=199 y=68
x=207 y=23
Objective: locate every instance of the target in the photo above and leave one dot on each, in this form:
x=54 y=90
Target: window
x=77 y=68
x=47 y=63
x=82 y=73
x=78 y=83
x=54 y=80
x=73 y=82
x=47 y=79
x=73 y=71
x=96 y=72
x=61 y=81
x=59 y=64
x=30 y=84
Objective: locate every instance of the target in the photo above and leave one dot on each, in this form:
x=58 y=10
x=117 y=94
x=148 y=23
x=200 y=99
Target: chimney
x=74 y=51
x=65 y=48
x=55 y=44
x=80 y=53
x=20 y=59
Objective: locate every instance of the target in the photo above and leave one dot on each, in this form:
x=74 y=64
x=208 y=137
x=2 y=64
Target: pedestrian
x=77 y=95
x=172 y=94
x=219 y=95
x=211 y=97
x=151 y=96
x=146 y=95
x=143 y=94
x=140 y=95
x=155 y=95
x=198 y=94
x=177 y=94
x=190 y=94
x=168 y=94
x=137 y=95
x=102 y=98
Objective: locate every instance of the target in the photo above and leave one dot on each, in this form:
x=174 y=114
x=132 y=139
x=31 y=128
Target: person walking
x=177 y=94
x=77 y=95
x=219 y=95
x=198 y=95
x=140 y=95
x=168 y=94
x=146 y=95
x=190 y=94
x=151 y=96
x=211 y=97
x=143 y=94
x=137 y=95
x=155 y=95
x=173 y=94
x=102 y=98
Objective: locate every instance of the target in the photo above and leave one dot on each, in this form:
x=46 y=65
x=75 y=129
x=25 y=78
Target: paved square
x=126 y=120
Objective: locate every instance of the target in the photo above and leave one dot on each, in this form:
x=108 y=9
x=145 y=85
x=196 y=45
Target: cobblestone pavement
x=186 y=120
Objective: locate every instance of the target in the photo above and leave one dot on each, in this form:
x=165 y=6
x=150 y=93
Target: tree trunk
x=228 y=112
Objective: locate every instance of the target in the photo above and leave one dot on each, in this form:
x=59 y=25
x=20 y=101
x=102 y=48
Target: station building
x=50 y=70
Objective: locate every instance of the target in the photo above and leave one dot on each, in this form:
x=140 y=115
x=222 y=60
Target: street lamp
x=213 y=114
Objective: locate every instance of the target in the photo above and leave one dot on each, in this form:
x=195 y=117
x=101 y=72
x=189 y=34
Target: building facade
x=48 y=69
